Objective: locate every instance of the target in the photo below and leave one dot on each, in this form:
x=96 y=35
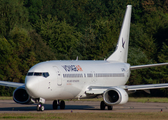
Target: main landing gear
x=103 y=105
x=57 y=103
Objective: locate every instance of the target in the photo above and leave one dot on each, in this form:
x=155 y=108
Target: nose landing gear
x=40 y=107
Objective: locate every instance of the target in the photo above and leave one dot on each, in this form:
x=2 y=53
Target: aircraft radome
x=69 y=79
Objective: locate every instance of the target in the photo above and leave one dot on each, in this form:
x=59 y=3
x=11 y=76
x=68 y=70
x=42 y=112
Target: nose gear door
x=58 y=74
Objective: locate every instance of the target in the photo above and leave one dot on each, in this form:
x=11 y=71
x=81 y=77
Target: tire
x=62 y=105
x=55 y=106
x=102 y=105
x=38 y=107
x=42 y=108
x=110 y=107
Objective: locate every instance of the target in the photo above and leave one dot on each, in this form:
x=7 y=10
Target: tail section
x=121 y=51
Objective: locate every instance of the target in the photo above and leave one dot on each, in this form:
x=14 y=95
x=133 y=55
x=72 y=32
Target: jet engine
x=115 y=95
x=21 y=96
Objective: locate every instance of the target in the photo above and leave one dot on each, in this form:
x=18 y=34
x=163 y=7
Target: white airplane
x=76 y=79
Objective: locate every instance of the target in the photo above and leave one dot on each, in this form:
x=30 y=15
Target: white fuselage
x=70 y=79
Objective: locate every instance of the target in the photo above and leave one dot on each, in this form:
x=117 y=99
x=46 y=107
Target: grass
x=84 y=116
x=148 y=99
x=6 y=98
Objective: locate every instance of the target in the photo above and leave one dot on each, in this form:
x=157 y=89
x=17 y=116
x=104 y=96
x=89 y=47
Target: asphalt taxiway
x=8 y=106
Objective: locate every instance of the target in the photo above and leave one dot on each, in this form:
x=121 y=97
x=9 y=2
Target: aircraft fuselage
x=70 y=79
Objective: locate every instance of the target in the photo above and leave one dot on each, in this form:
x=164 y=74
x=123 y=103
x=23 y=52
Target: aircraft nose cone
x=31 y=86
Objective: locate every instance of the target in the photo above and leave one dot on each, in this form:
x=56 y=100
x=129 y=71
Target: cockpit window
x=45 y=74
x=37 y=74
x=30 y=74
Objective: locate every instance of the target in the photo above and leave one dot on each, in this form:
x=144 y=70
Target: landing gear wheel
x=55 y=106
x=40 y=107
x=62 y=105
x=110 y=107
x=102 y=105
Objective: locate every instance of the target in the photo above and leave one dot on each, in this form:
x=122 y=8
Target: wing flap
x=11 y=84
x=95 y=92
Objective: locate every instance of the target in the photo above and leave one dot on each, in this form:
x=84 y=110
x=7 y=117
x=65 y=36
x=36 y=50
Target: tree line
x=33 y=31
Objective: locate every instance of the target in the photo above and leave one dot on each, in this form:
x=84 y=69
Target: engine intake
x=115 y=95
x=21 y=96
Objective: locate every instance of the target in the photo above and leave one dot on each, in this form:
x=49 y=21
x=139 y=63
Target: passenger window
x=46 y=74
x=30 y=74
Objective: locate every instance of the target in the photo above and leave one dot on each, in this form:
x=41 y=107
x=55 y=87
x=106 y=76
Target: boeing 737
x=58 y=80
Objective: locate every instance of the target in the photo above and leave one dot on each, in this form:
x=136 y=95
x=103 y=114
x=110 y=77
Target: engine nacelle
x=114 y=96
x=21 y=96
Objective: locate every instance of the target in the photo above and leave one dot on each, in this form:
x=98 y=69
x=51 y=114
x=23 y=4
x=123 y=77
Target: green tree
x=12 y=12
x=34 y=8
x=99 y=40
x=40 y=50
x=60 y=36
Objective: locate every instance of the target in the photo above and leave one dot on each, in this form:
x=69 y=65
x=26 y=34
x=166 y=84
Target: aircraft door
x=58 y=73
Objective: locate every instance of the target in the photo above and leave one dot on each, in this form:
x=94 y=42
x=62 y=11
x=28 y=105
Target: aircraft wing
x=146 y=66
x=11 y=84
x=100 y=90
x=144 y=87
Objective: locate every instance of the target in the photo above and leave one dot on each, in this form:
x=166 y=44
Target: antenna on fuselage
x=77 y=58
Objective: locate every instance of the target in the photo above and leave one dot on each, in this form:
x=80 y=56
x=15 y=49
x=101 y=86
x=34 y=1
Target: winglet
x=121 y=51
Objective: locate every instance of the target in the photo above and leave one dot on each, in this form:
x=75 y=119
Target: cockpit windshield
x=44 y=74
x=37 y=74
x=30 y=74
